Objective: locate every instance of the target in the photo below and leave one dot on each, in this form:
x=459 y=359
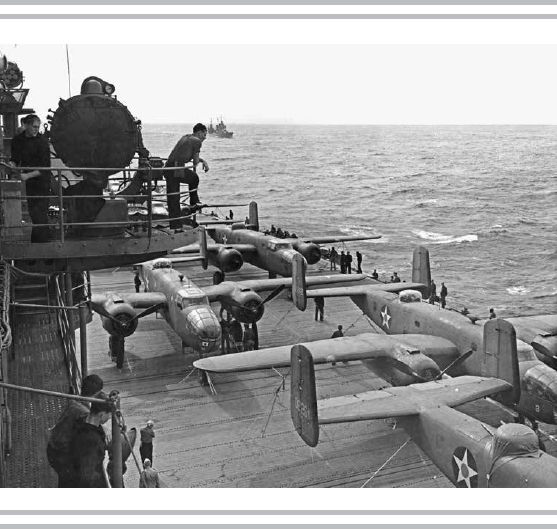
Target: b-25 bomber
x=448 y=338
x=186 y=307
x=241 y=242
x=470 y=453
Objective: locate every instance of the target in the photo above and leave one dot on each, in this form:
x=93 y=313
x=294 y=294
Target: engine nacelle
x=246 y=307
x=309 y=250
x=125 y=314
x=229 y=259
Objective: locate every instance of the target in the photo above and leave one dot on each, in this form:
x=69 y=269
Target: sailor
x=236 y=335
x=149 y=478
x=249 y=338
x=187 y=149
x=342 y=262
x=137 y=281
x=374 y=274
x=443 y=295
x=359 y=261
x=230 y=214
x=280 y=233
x=273 y=230
x=348 y=263
x=338 y=333
x=31 y=149
x=286 y=234
x=333 y=258
x=432 y=292
x=319 y=307
x=225 y=334
x=492 y=314
x=146 y=446
x=89 y=445
x=62 y=433
x=396 y=279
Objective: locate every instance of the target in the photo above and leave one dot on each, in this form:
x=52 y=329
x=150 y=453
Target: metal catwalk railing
x=5 y=346
x=67 y=332
x=60 y=200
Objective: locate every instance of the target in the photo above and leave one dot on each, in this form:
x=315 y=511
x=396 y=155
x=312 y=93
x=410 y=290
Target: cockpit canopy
x=410 y=296
x=192 y=300
x=162 y=263
x=279 y=245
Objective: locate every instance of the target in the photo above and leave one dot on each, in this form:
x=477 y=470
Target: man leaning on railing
x=31 y=149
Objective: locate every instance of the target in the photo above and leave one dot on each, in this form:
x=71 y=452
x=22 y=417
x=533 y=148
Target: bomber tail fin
x=253 y=216
x=303 y=396
x=421 y=271
x=500 y=356
x=299 y=286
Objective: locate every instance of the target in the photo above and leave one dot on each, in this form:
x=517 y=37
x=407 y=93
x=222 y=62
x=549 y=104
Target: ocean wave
x=425 y=203
x=439 y=238
x=518 y=291
x=362 y=231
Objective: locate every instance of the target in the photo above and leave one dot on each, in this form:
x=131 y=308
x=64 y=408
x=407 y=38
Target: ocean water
x=483 y=199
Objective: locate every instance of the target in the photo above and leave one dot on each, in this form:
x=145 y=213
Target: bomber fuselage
x=538 y=381
x=462 y=448
x=272 y=254
x=188 y=311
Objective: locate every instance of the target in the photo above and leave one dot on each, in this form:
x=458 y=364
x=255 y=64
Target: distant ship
x=219 y=129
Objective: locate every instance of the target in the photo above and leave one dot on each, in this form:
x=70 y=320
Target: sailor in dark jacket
x=31 y=149
x=62 y=433
x=89 y=445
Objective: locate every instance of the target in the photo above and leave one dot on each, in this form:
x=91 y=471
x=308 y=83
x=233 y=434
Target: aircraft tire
x=118 y=344
x=203 y=381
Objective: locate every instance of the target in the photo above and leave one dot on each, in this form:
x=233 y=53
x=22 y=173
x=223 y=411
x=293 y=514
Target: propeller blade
x=146 y=312
x=273 y=294
x=460 y=359
x=99 y=309
x=406 y=369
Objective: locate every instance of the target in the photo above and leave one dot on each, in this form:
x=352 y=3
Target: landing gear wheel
x=116 y=350
x=120 y=357
x=218 y=277
x=203 y=380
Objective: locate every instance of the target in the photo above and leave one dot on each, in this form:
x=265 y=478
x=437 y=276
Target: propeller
x=254 y=307
x=99 y=309
x=407 y=370
x=123 y=325
x=273 y=294
x=146 y=312
x=455 y=362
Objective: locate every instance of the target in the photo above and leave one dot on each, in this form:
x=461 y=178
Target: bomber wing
x=538 y=331
x=408 y=400
x=339 y=238
x=397 y=347
x=136 y=300
x=214 y=248
x=270 y=284
x=214 y=292
x=363 y=289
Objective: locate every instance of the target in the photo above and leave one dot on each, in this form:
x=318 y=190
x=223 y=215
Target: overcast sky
x=297 y=82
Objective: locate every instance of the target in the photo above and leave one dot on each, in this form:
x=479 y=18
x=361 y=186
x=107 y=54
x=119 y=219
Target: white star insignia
x=465 y=472
x=386 y=317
